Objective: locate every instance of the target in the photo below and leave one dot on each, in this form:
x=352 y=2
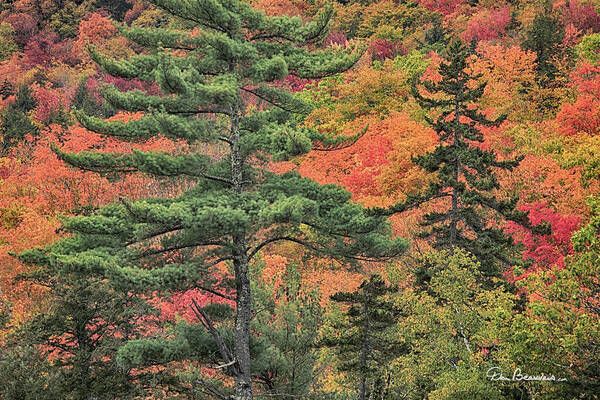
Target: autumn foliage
x=540 y=67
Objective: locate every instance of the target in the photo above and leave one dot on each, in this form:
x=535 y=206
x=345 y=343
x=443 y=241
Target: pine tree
x=363 y=345
x=211 y=80
x=287 y=329
x=465 y=172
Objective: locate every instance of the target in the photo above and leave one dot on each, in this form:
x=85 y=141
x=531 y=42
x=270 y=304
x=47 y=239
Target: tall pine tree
x=217 y=80
x=465 y=172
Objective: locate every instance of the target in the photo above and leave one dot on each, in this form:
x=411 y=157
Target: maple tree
x=548 y=250
x=487 y=25
x=510 y=77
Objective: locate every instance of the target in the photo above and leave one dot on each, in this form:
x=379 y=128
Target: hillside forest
x=300 y=199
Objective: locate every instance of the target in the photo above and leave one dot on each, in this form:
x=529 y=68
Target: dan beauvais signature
x=495 y=374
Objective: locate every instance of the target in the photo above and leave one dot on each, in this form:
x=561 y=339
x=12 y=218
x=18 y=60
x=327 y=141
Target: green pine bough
x=210 y=81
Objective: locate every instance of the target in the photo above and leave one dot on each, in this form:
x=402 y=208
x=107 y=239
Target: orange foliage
x=33 y=192
x=377 y=169
x=507 y=70
x=281 y=7
x=584 y=114
x=99 y=31
x=541 y=179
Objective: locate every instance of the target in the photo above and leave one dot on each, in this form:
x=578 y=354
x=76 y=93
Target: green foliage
x=14 y=121
x=544 y=37
x=436 y=38
x=117 y=8
x=7 y=42
x=283 y=331
x=451 y=327
x=287 y=322
x=589 y=48
x=25 y=374
x=413 y=64
x=65 y=21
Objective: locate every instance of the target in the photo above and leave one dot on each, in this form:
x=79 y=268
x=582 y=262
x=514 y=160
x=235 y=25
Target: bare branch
x=223 y=349
x=216 y=293
x=211 y=389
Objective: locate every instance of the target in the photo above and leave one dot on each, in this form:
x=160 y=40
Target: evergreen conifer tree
x=465 y=172
x=287 y=329
x=363 y=344
x=217 y=84
x=545 y=37
x=14 y=122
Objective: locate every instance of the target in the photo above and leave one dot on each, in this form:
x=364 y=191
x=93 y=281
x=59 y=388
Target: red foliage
x=581 y=116
x=25 y=27
x=135 y=12
x=545 y=250
x=39 y=51
x=94 y=85
x=444 y=6
x=49 y=184
x=582 y=15
x=295 y=84
x=178 y=304
x=382 y=49
x=336 y=39
x=584 y=114
x=488 y=25
x=95 y=29
x=49 y=102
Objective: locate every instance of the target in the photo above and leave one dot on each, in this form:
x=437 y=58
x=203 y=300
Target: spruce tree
x=363 y=343
x=218 y=81
x=465 y=172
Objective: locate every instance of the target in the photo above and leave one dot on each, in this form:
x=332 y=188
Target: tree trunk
x=364 y=354
x=243 y=379
x=454 y=211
